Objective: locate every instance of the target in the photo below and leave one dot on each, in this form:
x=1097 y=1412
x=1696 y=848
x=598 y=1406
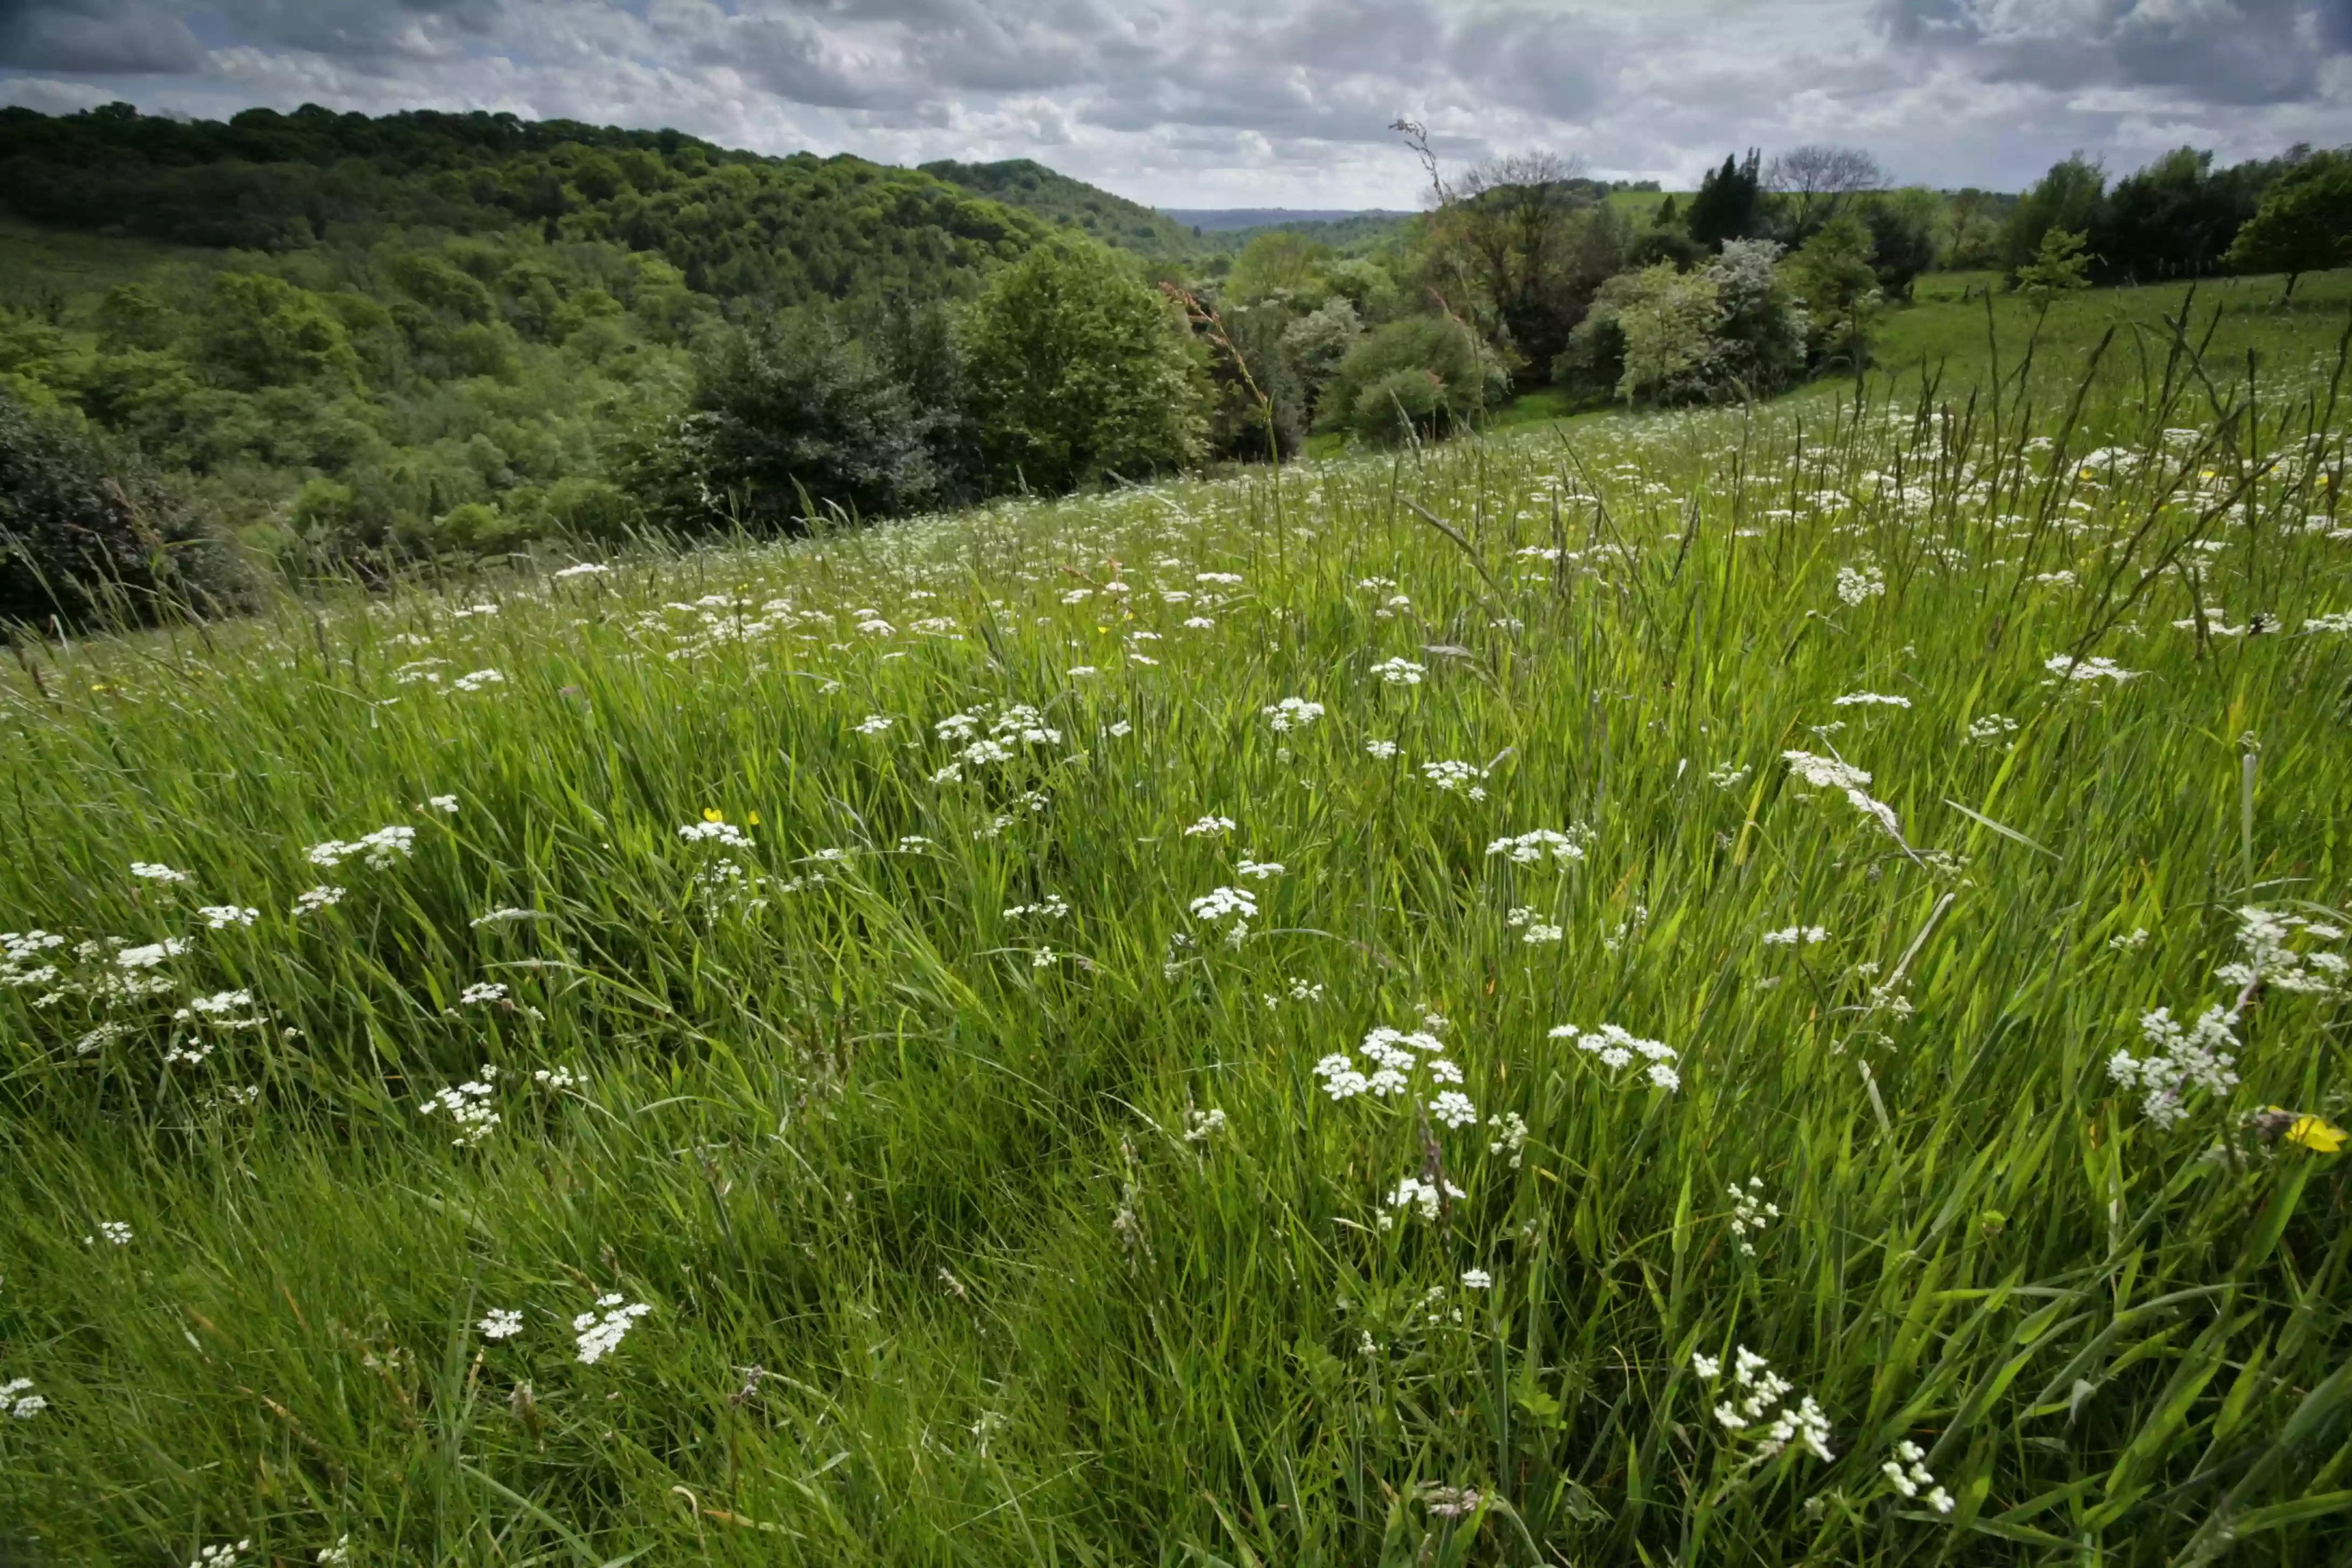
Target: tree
x=1833 y=274
x=1318 y=340
x=2173 y=219
x=1974 y=229
x=1815 y=180
x=1280 y=263
x=1906 y=229
x=258 y=331
x=2304 y=222
x=1077 y=370
x=2069 y=197
x=2061 y=267
x=1728 y=204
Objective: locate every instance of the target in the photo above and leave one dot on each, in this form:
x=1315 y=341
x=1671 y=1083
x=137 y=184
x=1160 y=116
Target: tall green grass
x=946 y=1258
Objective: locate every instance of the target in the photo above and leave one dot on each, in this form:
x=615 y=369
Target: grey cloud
x=98 y=38
x=2234 y=52
x=1262 y=100
x=1549 y=64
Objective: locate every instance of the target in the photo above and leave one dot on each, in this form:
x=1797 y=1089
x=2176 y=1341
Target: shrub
x=93 y=539
x=1425 y=374
x=1733 y=328
x=790 y=416
x=1076 y=369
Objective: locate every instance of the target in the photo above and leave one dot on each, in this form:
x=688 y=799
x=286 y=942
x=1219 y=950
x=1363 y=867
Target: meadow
x=1760 y=986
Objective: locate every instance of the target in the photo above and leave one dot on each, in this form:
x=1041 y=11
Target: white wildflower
x=1533 y=848
x=1292 y=714
x=1453 y=1108
x=599 y=1332
x=500 y=1324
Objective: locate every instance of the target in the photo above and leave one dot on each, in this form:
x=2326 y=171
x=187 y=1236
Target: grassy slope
x=924 y=1162
x=1028 y=184
x=37 y=264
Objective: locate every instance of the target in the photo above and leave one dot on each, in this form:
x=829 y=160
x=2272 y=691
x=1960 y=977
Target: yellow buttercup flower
x=2315 y=1135
x=713 y=813
x=755 y=820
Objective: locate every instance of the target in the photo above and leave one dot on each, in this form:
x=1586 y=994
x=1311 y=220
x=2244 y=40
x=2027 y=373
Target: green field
x=1580 y=997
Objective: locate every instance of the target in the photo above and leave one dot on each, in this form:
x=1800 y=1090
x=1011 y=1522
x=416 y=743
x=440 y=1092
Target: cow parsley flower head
x=1227 y=904
x=1906 y=1472
x=447 y=804
x=1292 y=714
x=1200 y=1126
x=1856 y=584
x=1210 y=827
x=2095 y=668
x=1824 y=772
x=1544 y=843
x=1760 y=1395
x=1381 y=751
x=599 y=1332
x=1399 y=672
x=2178 y=1061
x=467 y=1106
x=1991 y=730
x=500 y=1324
x=22 y=1402
x=1790 y=936
x=219 y=917
x=320 y=897
x=381 y=849
x=1414 y=1193
x=1453 y=1108
x=721 y=832
x=1870 y=700
x=1457 y=777
x=151 y=871
x=1616 y=1049
x=1476 y=1279
x=1750 y=1214
x=149 y=954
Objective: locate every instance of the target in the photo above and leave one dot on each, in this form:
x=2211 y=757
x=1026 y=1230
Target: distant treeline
x=736 y=225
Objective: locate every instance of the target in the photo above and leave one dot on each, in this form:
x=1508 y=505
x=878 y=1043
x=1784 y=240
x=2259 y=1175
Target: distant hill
x=736 y=224
x=1220 y=220
x=1028 y=184
x=1171 y=234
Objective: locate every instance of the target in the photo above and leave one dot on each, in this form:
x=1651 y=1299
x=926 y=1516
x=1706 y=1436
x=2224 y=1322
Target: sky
x=1210 y=103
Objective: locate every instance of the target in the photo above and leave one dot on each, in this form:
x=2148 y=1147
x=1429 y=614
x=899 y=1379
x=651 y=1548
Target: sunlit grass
x=946 y=1256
